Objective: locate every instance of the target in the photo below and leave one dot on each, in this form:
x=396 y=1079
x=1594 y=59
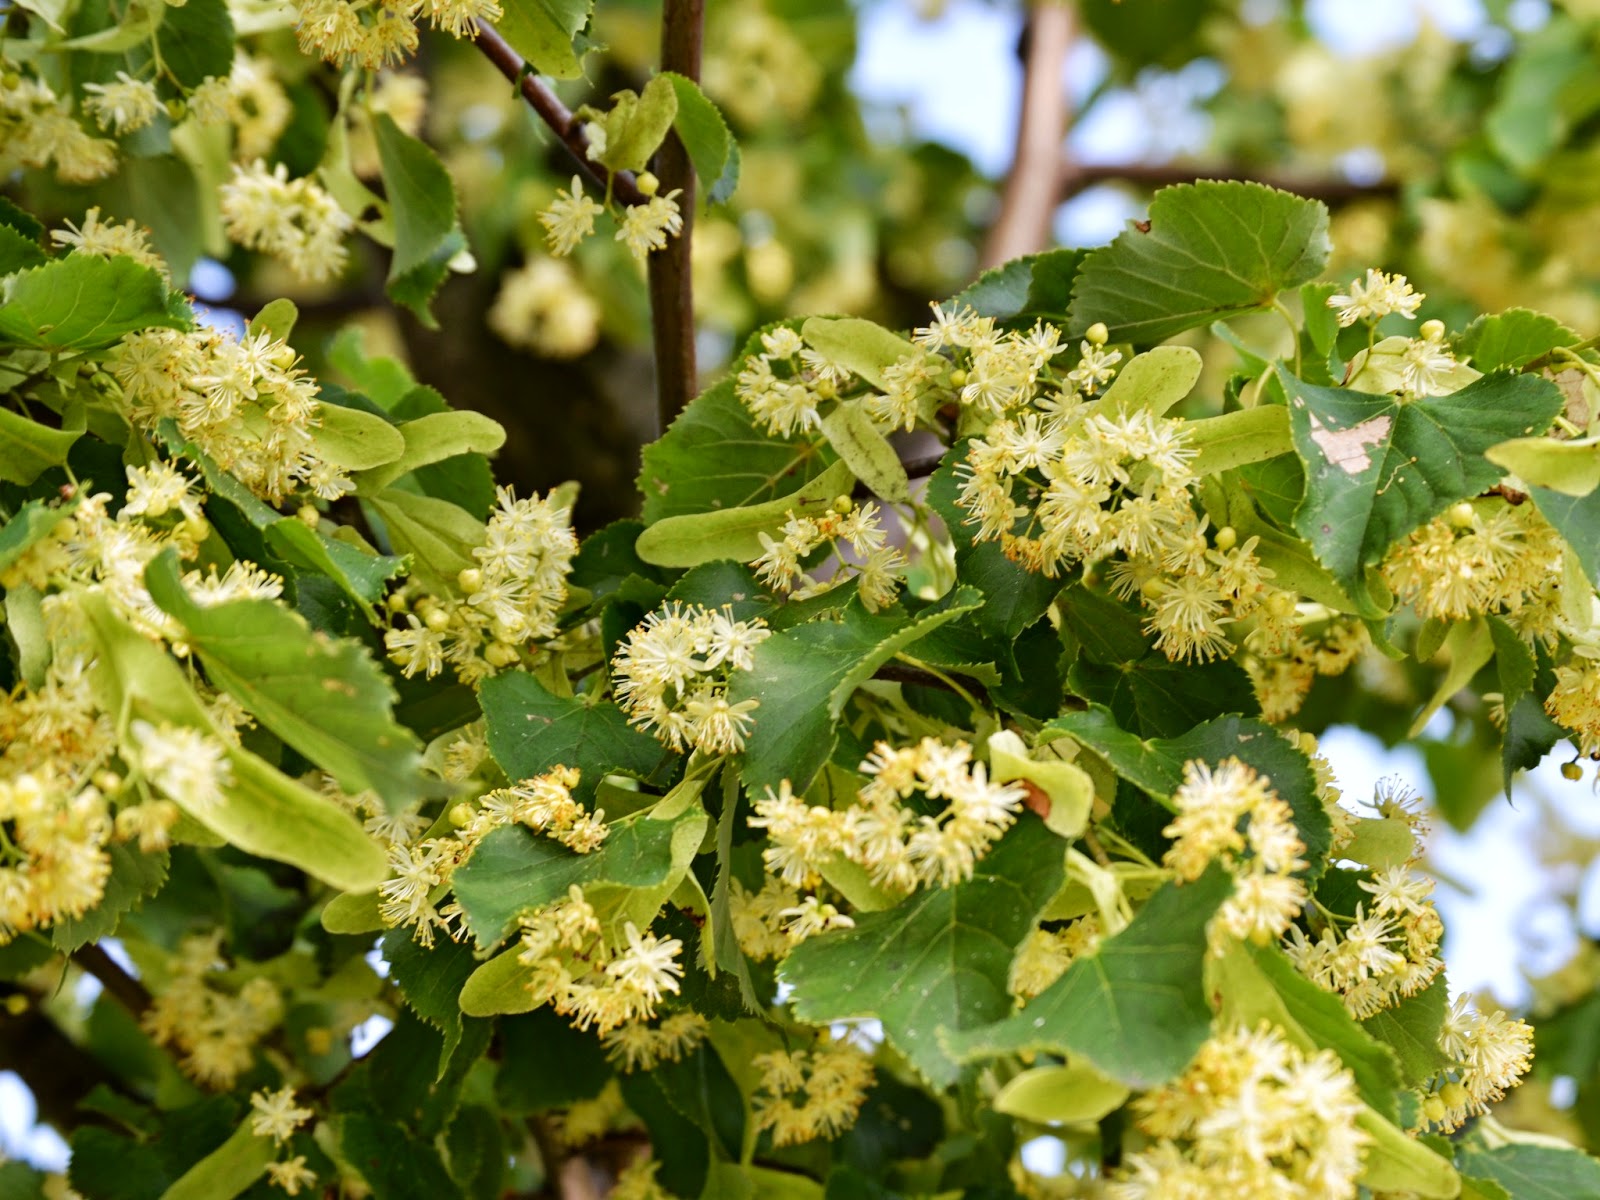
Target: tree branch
x=1033 y=185
x=671 y=281
x=1078 y=177
x=915 y=676
x=624 y=188
x=119 y=985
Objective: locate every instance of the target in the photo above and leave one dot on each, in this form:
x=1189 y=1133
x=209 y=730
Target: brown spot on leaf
x=1347 y=449
x=1036 y=799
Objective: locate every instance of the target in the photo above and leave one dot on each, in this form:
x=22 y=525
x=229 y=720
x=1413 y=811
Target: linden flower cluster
x=643 y=228
x=671 y=676
x=214 y=1031
x=53 y=835
x=1047 y=954
x=858 y=526
x=1390 y=949
x=243 y=402
x=276 y=1115
x=542 y=307
x=958 y=815
x=1575 y=700
x=758 y=917
x=1253 y=1117
x=249 y=98
x=583 y=975
x=786 y=385
x=1230 y=814
x=420 y=874
x=378 y=35
x=123 y=105
x=1283 y=678
x=293 y=220
x=807 y=1094
x=1483 y=556
x=107 y=239
x=637 y=1046
x=37 y=130
x=513 y=595
x=1491 y=1054
x=1378 y=295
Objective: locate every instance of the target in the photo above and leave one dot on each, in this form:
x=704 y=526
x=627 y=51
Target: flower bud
x=843 y=505
x=461 y=815
x=1097 y=334
x=1461 y=515
x=470 y=580
x=308 y=515
x=499 y=654
x=1433 y=330
x=1227 y=538
x=435 y=618
x=1454 y=1095
x=1572 y=771
x=648 y=184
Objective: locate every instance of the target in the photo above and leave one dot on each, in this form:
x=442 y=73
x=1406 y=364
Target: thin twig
x=671 y=281
x=119 y=985
x=1033 y=185
x=624 y=188
x=1077 y=177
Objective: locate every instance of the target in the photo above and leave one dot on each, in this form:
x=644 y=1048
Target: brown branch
x=624 y=188
x=1033 y=185
x=917 y=677
x=671 y=281
x=119 y=985
x=1078 y=177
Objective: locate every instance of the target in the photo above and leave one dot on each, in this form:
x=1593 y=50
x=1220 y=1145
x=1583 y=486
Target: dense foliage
x=931 y=763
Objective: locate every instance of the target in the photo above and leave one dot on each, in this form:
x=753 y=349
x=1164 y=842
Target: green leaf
x=227 y=1170
x=82 y=302
x=1014 y=597
x=1212 y=250
x=18 y=251
x=1234 y=439
x=1469 y=647
x=1569 y=467
x=803 y=677
x=714 y=457
x=196 y=40
x=1151 y=382
x=1397 y=1162
x=430 y=980
x=357 y=440
x=422 y=197
x=439 y=536
x=396 y=1164
x=28 y=449
x=277 y=317
x=1136 y=1008
x=691 y=539
x=1575 y=518
x=498 y=987
x=707 y=138
x=1258 y=983
x=860 y=346
x=542 y=31
x=262 y=811
x=134 y=877
x=937 y=961
x=434 y=438
x=325 y=697
x=1378 y=467
x=1411 y=1030
x=530 y=731
x=31 y=523
x=866 y=452
x=163 y=193
x=1156 y=765
x=1034 y=287
x=636 y=125
x=1070 y=1094
x=514 y=869
x=1510 y=340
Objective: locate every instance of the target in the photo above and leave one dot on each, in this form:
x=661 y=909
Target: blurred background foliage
x=1457 y=142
